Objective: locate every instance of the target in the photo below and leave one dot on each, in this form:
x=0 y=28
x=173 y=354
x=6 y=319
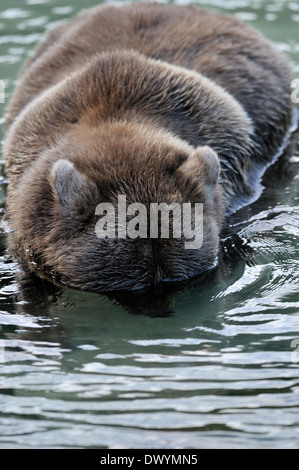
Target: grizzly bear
x=160 y=104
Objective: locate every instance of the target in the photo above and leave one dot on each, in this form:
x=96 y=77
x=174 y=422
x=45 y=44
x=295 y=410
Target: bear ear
x=71 y=187
x=200 y=172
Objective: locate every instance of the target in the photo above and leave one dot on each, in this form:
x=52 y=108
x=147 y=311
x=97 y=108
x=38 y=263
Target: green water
x=212 y=365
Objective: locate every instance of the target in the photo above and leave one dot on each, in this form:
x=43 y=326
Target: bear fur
x=160 y=103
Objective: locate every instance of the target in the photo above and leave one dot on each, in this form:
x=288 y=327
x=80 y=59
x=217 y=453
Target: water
x=212 y=365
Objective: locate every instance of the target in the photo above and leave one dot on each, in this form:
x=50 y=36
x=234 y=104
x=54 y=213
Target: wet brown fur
x=135 y=98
